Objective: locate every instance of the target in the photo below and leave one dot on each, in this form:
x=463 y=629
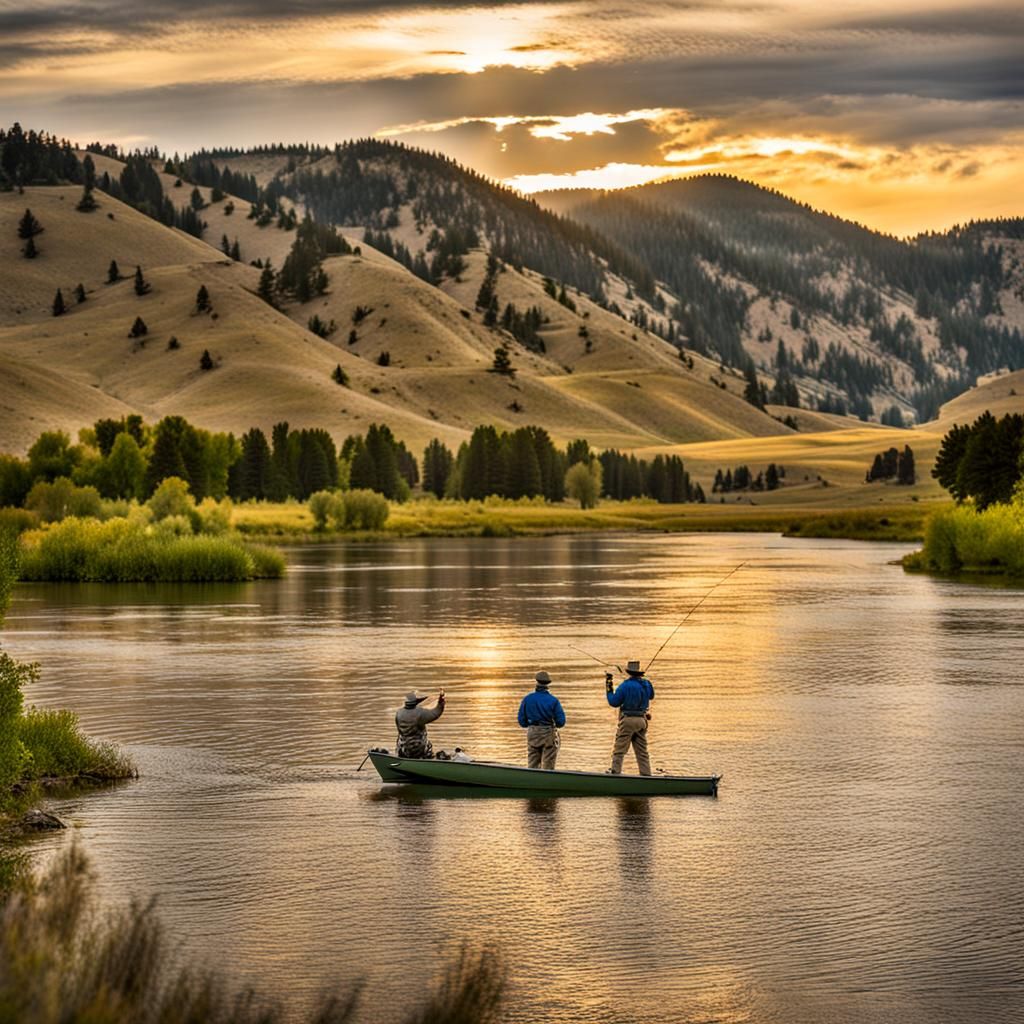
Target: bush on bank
x=127 y=550
x=961 y=539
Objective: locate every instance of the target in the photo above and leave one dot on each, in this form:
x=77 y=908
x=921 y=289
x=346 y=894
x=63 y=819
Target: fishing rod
x=690 y=612
x=607 y=664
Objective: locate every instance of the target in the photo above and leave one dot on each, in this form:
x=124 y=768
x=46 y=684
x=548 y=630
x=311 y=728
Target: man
x=541 y=715
x=632 y=698
x=412 y=721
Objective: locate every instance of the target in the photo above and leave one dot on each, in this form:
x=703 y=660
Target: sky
x=901 y=114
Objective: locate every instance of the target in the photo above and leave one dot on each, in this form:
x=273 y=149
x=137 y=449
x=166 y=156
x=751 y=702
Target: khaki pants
x=542 y=744
x=631 y=730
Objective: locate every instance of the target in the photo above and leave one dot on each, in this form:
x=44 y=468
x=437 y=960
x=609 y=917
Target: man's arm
x=650 y=687
x=522 y=713
x=615 y=697
x=559 y=714
x=434 y=713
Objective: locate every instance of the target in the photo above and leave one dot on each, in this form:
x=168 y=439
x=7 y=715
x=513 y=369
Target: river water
x=863 y=861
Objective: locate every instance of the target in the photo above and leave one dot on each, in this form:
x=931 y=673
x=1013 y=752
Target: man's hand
x=440 y=697
x=607 y=680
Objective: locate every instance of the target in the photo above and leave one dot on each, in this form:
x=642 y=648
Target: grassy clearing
x=123 y=550
x=501 y=518
x=960 y=540
x=61 y=960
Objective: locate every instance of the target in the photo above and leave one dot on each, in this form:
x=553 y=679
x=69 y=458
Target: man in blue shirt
x=541 y=715
x=633 y=699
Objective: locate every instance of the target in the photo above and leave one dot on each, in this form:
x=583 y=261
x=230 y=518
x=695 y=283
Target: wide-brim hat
x=543 y=679
x=412 y=698
x=633 y=668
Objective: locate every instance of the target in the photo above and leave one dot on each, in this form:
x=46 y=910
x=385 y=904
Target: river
x=863 y=861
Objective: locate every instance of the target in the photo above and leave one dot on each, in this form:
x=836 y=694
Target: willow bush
x=961 y=539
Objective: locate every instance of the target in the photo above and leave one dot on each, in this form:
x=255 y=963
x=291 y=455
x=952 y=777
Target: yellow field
x=498 y=518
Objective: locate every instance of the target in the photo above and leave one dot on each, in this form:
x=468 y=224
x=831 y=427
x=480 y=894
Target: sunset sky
x=902 y=114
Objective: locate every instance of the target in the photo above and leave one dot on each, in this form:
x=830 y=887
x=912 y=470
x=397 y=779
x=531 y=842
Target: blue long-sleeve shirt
x=541 y=708
x=633 y=696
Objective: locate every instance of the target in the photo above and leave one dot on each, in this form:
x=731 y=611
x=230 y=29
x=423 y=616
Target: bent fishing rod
x=689 y=613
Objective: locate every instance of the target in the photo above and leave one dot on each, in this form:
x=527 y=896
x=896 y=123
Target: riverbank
x=284 y=522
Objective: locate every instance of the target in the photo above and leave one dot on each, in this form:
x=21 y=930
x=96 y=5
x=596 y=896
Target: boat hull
x=532 y=781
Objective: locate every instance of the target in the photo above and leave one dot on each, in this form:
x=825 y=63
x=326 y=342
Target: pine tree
x=339 y=376
x=80 y=293
x=236 y=252
x=266 y=286
x=205 y=361
x=502 y=362
x=139 y=328
x=771 y=477
x=113 y=273
x=142 y=286
x=225 y=245
x=202 y=300
x=437 y=468
x=88 y=201
x=28 y=226
x=58 y=304
x=30 y=251
x=196 y=200
x=905 y=472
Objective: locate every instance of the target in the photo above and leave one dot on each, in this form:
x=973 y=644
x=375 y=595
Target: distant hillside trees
x=665 y=478
x=741 y=479
x=302 y=274
x=893 y=464
x=982 y=462
x=35 y=158
x=438 y=463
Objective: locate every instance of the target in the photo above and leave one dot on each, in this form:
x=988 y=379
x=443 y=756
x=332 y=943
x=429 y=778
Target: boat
x=516 y=780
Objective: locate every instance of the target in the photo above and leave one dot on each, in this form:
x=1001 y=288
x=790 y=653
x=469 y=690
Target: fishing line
x=690 y=612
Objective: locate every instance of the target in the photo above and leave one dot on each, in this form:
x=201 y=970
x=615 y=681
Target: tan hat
x=412 y=698
x=633 y=668
x=543 y=679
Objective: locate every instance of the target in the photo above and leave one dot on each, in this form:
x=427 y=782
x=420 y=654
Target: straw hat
x=633 y=668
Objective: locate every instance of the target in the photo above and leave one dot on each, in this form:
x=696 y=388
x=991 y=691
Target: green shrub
x=56 y=748
x=961 y=539
x=365 y=510
x=60 y=499
x=15 y=480
x=17 y=520
x=171 y=498
x=123 y=550
x=215 y=516
x=326 y=505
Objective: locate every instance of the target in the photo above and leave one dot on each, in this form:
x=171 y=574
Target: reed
x=61 y=959
x=125 y=550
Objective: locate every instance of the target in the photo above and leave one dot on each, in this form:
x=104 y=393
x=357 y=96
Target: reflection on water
x=861 y=862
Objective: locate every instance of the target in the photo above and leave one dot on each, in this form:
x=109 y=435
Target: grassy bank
x=960 y=540
x=62 y=960
x=501 y=518
x=126 y=550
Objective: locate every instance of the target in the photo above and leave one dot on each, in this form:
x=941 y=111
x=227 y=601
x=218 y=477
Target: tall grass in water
x=960 y=539
x=56 y=748
x=125 y=550
x=62 y=961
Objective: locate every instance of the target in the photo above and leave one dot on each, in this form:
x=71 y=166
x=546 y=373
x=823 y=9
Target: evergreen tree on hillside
x=88 y=201
x=266 y=286
x=339 y=376
x=206 y=360
x=139 y=328
x=502 y=363
x=905 y=472
x=80 y=293
x=58 y=304
x=113 y=272
x=28 y=226
x=30 y=251
x=202 y=300
x=142 y=286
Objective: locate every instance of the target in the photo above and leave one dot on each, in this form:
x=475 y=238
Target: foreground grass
x=499 y=518
x=62 y=961
x=960 y=540
x=123 y=551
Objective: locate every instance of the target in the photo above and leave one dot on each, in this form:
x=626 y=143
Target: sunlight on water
x=861 y=863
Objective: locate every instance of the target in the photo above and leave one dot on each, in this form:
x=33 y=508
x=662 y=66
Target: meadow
x=495 y=517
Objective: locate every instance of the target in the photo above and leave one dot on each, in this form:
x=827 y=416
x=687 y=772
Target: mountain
x=853 y=318
x=414 y=348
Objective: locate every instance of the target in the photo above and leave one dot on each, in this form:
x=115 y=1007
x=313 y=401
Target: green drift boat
x=532 y=781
